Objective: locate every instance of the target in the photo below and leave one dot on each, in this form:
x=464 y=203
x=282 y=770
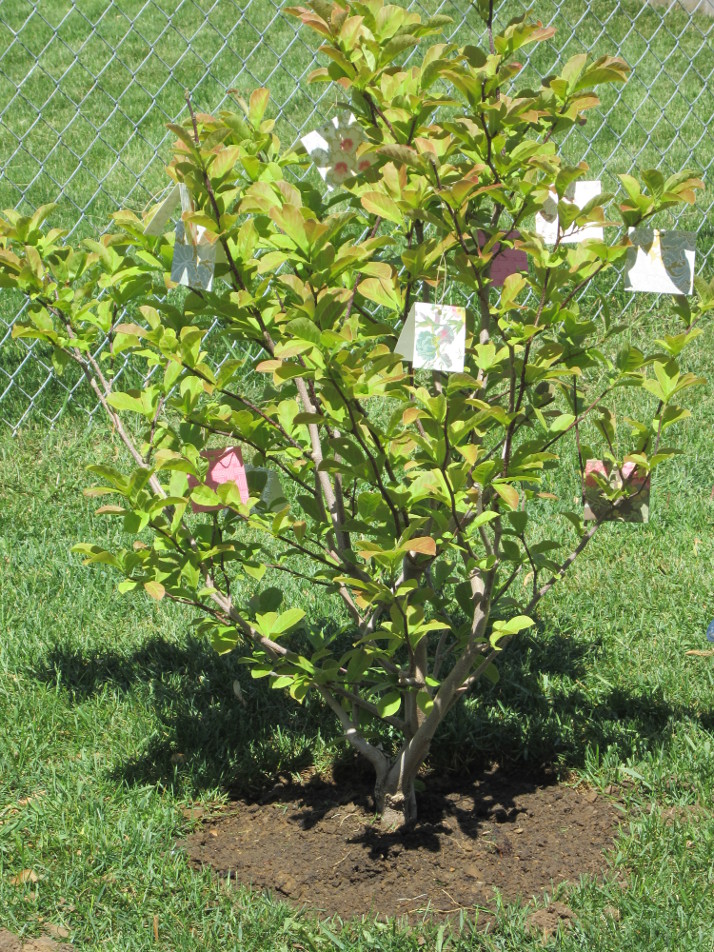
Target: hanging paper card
x=633 y=508
x=333 y=148
x=547 y=224
x=661 y=262
x=224 y=466
x=434 y=337
x=264 y=484
x=194 y=251
x=505 y=260
x=193 y=264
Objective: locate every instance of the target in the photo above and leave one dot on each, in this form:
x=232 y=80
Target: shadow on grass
x=202 y=736
x=546 y=712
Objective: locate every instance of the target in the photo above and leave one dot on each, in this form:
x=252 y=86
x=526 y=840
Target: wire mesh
x=87 y=88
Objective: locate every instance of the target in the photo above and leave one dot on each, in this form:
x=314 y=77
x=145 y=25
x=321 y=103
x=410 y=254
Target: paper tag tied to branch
x=547 y=223
x=195 y=250
x=660 y=262
x=334 y=150
x=633 y=508
x=434 y=337
x=504 y=260
x=225 y=465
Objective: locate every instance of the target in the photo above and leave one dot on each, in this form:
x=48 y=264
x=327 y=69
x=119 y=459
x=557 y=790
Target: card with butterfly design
x=334 y=148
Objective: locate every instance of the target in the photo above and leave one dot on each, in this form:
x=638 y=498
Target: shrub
x=414 y=497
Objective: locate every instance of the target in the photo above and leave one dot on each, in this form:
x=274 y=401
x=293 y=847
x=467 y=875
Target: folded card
x=504 y=260
x=634 y=507
x=224 y=466
x=434 y=337
x=547 y=223
x=333 y=148
x=661 y=262
x=195 y=251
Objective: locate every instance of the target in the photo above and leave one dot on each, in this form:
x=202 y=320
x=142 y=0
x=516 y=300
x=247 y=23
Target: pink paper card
x=224 y=466
x=505 y=261
x=634 y=508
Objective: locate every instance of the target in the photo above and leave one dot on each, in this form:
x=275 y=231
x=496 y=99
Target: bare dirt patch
x=316 y=844
x=9 y=942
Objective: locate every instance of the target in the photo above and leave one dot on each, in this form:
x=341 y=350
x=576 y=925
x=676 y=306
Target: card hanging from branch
x=504 y=260
x=195 y=250
x=225 y=465
x=633 y=507
x=434 y=337
x=334 y=148
x=547 y=221
x=660 y=262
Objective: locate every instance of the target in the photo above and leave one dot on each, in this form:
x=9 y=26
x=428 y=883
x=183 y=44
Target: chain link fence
x=87 y=87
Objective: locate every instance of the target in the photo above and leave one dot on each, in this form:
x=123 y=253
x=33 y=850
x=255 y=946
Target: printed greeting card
x=333 y=148
x=434 y=337
x=224 y=466
x=660 y=262
x=547 y=223
x=634 y=508
x=505 y=260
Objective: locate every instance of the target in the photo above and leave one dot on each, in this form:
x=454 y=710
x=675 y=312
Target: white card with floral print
x=434 y=337
x=660 y=262
x=333 y=148
x=546 y=221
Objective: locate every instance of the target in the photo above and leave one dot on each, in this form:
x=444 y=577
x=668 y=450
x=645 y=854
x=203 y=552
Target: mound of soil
x=316 y=844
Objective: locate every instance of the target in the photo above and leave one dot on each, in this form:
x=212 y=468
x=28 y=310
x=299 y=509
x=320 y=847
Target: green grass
x=99 y=694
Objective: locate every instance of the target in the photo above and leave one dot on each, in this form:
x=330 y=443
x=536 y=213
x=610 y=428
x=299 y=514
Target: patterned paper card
x=195 y=253
x=546 y=221
x=333 y=149
x=224 y=466
x=434 y=337
x=661 y=262
x=505 y=260
x=636 y=508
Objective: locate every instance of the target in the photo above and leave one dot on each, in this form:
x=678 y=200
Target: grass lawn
x=116 y=718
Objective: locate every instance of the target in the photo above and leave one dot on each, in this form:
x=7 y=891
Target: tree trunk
x=395 y=799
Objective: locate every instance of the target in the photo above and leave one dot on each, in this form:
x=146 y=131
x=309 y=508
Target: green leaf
x=389 y=704
x=377 y=203
x=287 y=620
x=508 y=493
x=155 y=589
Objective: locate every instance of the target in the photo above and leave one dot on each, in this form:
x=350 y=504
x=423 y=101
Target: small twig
x=334 y=865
